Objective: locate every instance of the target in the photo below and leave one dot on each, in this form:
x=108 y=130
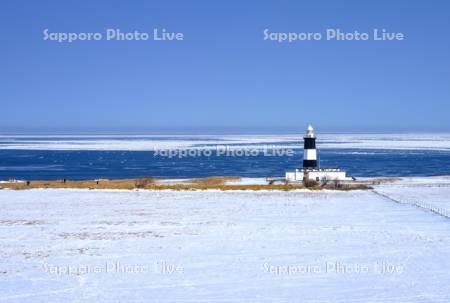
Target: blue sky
x=224 y=76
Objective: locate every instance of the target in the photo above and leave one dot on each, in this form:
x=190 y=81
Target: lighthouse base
x=317 y=174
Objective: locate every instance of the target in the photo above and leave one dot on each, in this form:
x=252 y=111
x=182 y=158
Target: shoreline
x=223 y=183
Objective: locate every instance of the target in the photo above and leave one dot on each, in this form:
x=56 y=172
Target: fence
x=423 y=205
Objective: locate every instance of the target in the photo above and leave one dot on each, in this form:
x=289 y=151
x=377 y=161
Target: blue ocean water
x=56 y=164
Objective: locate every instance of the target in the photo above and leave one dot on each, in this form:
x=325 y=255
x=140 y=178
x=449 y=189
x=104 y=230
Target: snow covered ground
x=212 y=246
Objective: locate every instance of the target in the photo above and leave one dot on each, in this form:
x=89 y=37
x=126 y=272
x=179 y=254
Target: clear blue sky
x=224 y=76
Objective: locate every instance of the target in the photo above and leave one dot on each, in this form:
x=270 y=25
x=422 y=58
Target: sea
x=78 y=157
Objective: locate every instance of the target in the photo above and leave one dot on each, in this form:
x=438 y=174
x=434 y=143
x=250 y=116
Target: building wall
x=294 y=176
x=331 y=175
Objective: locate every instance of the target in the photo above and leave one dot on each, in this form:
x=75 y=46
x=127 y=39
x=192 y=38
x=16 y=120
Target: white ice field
x=392 y=141
x=212 y=246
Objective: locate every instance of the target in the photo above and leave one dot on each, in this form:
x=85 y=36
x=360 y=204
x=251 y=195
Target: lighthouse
x=310 y=171
x=309 y=151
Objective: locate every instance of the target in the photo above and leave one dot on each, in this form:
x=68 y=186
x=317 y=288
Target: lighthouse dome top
x=310 y=132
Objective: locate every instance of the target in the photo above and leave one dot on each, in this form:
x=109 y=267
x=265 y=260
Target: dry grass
x=385 y=180
x=143 y=182
x=218 y=180
x=345 y=186
x=377 y=181
x=223 y=187
x=217 y=183
x=90 y=184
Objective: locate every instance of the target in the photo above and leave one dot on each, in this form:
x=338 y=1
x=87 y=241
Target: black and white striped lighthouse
x=310 y=153
x=310 y=171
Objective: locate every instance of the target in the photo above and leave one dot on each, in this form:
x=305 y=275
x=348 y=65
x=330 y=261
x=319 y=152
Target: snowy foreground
x=211 y=246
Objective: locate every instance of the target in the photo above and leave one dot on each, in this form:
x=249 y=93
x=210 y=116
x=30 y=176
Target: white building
x=317 y=174
x=310 y=170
